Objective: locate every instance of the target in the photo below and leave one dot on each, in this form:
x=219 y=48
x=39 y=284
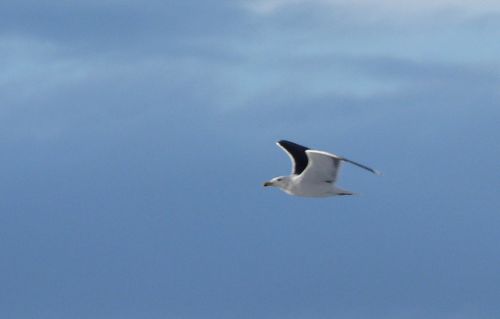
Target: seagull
x=314 y=173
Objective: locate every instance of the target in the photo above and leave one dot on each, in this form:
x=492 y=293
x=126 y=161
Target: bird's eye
x=279 y=179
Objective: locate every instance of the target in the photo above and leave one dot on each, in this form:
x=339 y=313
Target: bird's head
x=280 y=181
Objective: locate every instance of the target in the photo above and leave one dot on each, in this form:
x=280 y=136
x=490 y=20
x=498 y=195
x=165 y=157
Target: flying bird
x=314 y=173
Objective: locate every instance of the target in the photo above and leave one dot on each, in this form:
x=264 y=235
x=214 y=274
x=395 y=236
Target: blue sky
x=136 y=136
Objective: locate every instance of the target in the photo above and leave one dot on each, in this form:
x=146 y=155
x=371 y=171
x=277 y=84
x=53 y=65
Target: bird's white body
x=314 y=173
x=294 y=185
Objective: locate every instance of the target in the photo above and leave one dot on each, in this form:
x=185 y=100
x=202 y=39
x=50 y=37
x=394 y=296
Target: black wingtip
x=280 y=142
x=298 y=153
x=286 y=143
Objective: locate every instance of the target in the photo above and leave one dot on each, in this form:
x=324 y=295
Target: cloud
x=385 y=7
x=125 y=26
x=287 y=62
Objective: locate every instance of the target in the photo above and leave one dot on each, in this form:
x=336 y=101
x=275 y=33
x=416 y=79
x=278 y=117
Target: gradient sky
x=136 y=136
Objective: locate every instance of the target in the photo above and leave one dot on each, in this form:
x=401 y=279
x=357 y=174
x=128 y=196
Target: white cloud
x=385 y=7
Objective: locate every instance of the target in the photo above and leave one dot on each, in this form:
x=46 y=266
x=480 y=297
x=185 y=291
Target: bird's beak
x=268 y=184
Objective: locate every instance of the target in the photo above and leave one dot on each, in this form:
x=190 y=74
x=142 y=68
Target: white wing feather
x=322 y=167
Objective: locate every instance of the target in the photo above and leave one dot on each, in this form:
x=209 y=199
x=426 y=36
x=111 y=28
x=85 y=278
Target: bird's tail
x=343 y=192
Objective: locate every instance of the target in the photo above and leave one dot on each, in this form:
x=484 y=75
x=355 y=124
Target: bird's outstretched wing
x=297 y=154
x=322 y=167
x=374 y=171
